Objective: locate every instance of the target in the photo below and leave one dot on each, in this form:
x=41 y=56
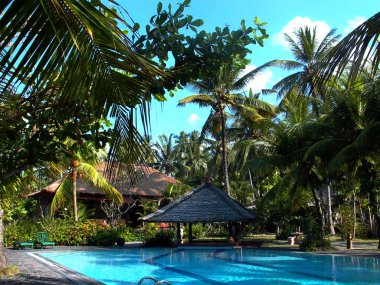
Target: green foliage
x=285 y=232
x=175 y=191
x=314 y=239
x=161 y=238
x=21 y=230
x=198 y=231
x=149 y=230
x=127 y=233
x=67 y=232
x=104 y=237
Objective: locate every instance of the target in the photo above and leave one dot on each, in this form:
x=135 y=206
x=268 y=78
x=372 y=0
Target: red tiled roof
x=151 y=184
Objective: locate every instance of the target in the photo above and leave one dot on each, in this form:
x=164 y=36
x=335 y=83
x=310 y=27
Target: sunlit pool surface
x=219 y=266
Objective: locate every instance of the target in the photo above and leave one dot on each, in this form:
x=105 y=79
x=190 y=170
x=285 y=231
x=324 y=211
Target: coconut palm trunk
x=317 y=202
x=75 y=206
x=224 y=154
x=378 y=228
x=330 y=219
x=3 y=260
x=74 y=173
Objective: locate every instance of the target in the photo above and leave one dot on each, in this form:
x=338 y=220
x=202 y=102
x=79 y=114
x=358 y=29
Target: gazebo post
x=232 y=232
x=190 y=233
x=179 y=238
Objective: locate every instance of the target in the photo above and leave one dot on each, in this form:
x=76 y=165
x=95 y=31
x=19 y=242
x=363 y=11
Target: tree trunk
x=370 y=221
x=354 y=227
x=329 y=210
x=75 y=207
x=319 y=210
x=3 y=261
x=224 y=154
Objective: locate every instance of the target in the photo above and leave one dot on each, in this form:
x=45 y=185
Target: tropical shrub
x=127 y=233
x=104 y=237
x=314 y=238
x=148 y=231
x=67 y=232
x=23 y=231
x=161 y=238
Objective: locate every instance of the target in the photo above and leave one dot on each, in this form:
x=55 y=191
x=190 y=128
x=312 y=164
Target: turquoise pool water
x=219 y=266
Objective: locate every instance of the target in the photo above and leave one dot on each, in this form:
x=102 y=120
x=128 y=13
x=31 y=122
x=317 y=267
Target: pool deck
x=37 y=272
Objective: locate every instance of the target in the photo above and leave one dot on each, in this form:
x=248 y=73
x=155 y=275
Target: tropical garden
x=76 y=76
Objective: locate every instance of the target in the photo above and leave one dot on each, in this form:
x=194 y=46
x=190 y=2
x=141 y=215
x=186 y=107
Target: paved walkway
x=31 y=271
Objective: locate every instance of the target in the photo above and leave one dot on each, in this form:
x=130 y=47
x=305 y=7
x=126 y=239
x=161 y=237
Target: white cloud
x=193 y=119
x=298 y=22
x=261 y=81
x=353 y=23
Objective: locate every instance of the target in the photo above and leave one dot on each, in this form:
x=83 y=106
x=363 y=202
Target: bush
x=313 y=243
x=126 y=233
x=67 y=232
x=314 y=238
x=24 y=231
x=104 y=237
x=284 y=233
x=161 y=238
x=148 y=231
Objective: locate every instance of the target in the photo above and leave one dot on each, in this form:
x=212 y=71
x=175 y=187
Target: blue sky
x=281 y=16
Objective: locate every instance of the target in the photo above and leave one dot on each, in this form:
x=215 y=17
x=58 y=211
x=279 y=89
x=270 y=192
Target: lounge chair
x=43 y=240
x=21 y=244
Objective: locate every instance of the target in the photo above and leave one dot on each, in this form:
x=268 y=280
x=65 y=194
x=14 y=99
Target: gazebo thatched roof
x=202 y=205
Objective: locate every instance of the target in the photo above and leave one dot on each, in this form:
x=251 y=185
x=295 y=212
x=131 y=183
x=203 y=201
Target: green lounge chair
x=21 y=244
x=43 y=240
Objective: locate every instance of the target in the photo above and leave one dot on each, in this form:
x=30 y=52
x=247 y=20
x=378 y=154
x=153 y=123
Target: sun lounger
x=21 y=244
x=43 y=240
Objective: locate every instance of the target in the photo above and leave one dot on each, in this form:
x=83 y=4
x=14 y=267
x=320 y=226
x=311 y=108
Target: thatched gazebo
x=204 y=204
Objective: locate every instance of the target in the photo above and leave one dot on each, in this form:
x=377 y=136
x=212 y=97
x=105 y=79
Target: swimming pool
x=219 y=266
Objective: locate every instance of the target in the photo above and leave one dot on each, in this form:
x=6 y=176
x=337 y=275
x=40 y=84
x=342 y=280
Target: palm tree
x=215 y=92
x=354 y=52
x=309 y=56
x=66 y=192
x=191 y=155
x=165 y=154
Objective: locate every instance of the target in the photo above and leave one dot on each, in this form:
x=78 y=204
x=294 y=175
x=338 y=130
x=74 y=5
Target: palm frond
x=288 y=83
x=63 y=194
x=203 y=100
x=246 y=78
x=91 y=175
x=354 y=50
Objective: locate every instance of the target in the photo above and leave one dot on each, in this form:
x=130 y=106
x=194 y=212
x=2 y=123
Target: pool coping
x=71 y=275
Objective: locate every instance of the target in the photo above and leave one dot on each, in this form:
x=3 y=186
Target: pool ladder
x=156 y=282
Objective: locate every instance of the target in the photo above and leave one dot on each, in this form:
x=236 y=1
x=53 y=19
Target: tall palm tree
x=216 y=92
x=309 y=56
x=358 y=49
